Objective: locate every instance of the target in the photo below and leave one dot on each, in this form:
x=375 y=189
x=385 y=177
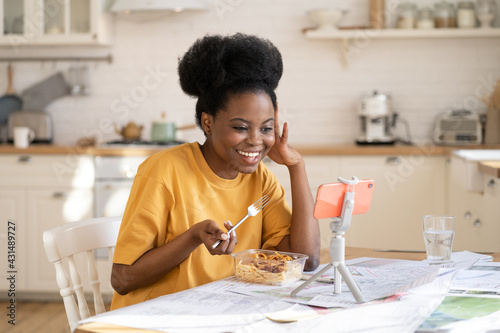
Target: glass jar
x=407 y=15
x=466 y=15
x=486 y=11
x=444 y=15
x=425 y=18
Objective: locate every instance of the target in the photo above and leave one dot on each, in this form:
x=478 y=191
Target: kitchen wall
x=317 y=94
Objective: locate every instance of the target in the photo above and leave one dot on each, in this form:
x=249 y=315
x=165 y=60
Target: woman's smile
x=249 y=157
x=248 y=154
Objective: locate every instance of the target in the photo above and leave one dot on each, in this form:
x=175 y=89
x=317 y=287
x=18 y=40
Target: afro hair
x=217 y=66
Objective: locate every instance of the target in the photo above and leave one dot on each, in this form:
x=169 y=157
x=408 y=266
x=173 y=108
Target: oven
x=114 y=177
x=115 y=174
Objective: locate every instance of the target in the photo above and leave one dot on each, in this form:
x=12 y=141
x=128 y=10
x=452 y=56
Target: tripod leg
x=337 y=281
x=310 y=280
x=353 y=287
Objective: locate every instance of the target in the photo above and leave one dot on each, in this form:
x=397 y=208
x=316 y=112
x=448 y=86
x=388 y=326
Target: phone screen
x=330 y=198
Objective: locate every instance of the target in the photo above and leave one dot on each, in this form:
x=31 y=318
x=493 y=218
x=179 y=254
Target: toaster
x=39 y=121
x=458 y=127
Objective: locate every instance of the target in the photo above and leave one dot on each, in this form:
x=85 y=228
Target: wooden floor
x=35 y=317
x=41 y=317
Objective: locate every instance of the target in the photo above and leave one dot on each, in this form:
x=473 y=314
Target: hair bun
x=218 y=62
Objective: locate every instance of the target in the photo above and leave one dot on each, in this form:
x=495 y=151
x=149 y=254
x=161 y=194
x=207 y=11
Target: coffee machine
x=377 y=120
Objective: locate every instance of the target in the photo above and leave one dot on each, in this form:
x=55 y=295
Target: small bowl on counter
x=268 y=267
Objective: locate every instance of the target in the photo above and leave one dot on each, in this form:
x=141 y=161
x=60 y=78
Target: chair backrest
x=62 y=243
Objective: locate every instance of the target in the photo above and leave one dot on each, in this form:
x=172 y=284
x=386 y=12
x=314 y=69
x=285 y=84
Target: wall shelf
x=108 y=59
x=358 y=37
x=402 y=33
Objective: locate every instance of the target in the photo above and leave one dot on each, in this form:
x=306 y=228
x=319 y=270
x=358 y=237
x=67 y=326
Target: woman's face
x=240 y=135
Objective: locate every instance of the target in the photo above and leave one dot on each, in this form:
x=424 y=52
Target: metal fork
x=253 y=210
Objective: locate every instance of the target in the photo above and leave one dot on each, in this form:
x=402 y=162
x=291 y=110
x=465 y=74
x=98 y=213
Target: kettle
x=164 y=132
x=130 y=132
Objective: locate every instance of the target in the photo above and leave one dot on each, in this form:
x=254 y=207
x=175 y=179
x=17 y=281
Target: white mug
x=23 y=136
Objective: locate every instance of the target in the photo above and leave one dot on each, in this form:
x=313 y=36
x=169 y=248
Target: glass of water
x=439 y=231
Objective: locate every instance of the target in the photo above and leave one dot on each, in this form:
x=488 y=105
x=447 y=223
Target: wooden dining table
x=350 y=253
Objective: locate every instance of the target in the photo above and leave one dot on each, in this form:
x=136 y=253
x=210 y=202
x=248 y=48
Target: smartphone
x=330 y=198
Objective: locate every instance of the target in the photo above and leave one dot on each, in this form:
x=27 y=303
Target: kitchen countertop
x=491 y=168
x=325 y=150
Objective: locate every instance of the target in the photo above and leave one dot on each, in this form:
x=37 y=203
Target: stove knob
x=127 y=171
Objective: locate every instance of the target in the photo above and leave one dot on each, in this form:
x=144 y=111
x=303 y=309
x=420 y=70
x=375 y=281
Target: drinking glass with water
x=439 y=232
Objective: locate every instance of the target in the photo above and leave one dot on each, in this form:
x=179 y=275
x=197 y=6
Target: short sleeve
x=144 y=220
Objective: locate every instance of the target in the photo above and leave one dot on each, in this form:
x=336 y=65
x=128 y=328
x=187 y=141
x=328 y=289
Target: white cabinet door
x=49 y=22
x=73 y=22
x=46 y=209
x=47 y=171
x=478 y=213
x=491 y=207
x=13 y=14
x=406 y=188
x=40 y=192
x=13 y=224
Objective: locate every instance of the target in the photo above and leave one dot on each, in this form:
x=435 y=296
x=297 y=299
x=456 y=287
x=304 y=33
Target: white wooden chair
x=62 y=243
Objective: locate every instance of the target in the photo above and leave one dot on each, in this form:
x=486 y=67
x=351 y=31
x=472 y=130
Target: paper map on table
x=481 y=280
x=375 y=283
x=456 y=309
x=472 y=303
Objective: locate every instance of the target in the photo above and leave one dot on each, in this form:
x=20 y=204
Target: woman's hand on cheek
x=281 y=152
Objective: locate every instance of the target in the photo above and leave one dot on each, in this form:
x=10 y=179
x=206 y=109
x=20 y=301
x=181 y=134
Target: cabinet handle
x=393 y=160
x=467 y=215
x=25 y=159
x=127 y=172
x=59 y=195
x=477 y=223
x=491 y=183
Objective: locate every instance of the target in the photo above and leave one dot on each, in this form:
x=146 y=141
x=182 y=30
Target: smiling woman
x=181 y=196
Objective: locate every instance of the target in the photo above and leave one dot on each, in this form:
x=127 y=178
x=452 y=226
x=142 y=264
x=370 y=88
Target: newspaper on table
x=217 y=306
x=377 y=279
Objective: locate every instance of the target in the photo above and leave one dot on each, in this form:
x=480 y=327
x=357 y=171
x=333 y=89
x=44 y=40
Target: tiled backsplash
x=317 y=95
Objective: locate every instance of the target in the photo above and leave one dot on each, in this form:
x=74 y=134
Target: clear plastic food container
x=268 y=267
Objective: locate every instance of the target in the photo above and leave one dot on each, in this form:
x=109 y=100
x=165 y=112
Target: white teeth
x=248 y=154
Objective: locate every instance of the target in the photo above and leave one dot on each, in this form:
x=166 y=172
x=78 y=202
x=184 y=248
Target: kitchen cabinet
x=48 y=208
x=406 y=188
x=39 y=192
x=477 y=212
x=12 y=209
x=55 y=22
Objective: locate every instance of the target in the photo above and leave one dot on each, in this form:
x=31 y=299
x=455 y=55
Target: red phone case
x=330 y=198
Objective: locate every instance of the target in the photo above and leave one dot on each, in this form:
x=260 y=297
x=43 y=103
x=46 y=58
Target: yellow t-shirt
x=175 y=189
